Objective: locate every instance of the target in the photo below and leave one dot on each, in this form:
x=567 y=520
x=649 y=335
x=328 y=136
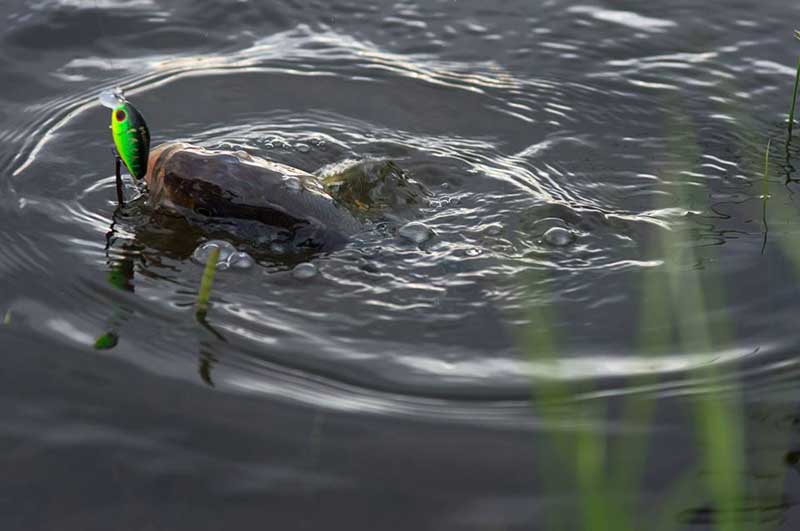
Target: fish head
x=156 y=166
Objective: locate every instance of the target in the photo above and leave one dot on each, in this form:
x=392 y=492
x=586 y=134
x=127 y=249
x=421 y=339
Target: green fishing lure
x=131 y=138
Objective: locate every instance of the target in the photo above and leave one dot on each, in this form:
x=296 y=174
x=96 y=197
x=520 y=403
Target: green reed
x=690 y=299
x=794 y=93
x=677 y=302
x=765 y=196
x=106 y=341
x=574 y=455
x=768 y=476
x=204 y=294
x=765 y=178
x=794 y=100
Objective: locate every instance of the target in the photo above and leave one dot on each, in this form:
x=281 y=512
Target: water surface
x=406 y=386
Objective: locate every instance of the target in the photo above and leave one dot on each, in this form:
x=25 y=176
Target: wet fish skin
x=372 y=186
x=228 y=184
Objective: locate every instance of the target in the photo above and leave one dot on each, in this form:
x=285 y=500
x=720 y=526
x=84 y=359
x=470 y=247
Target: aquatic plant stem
x=7 y=318
x=106 y=341
x=765 y=182
x=205 y=284
x=765 y=196
x=794 y=101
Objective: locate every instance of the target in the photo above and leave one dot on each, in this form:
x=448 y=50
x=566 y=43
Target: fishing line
x=111 y=234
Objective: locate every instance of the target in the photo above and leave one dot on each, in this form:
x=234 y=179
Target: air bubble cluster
x=229 y=257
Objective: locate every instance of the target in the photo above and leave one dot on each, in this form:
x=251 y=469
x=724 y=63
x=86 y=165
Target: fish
x=214 y=188
x=205 y=184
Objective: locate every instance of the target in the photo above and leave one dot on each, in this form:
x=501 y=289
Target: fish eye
x=120 y=115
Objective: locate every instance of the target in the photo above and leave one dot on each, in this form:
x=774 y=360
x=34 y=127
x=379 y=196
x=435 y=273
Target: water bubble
x=302 y=148
x=494 y=230
x=241 y=260
x=416 y=232
x=112 y=98
x=226 y=250
x=558 y=237
x=304 y=271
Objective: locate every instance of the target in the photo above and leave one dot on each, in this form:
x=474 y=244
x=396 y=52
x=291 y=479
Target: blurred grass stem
x=794 y=101
x=205 y=284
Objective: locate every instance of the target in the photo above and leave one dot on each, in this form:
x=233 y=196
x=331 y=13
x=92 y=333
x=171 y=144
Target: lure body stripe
x=131 y=138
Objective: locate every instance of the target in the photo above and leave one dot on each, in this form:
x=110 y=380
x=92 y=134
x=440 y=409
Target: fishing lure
x=130 y=132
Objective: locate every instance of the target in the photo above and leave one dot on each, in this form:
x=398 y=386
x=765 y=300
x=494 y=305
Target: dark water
x=406 y=386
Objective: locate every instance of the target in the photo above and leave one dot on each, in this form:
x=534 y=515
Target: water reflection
x=585 y=294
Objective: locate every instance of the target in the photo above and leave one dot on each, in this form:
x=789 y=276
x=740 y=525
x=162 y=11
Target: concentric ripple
x=516 y=143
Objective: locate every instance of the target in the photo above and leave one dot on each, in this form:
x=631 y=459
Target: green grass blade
x=765 y=196
x=205 y=284
x=107 y=341
x=794 y=101
x=765 y=181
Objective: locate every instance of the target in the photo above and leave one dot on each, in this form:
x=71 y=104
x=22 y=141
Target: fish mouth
x=155 y=164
